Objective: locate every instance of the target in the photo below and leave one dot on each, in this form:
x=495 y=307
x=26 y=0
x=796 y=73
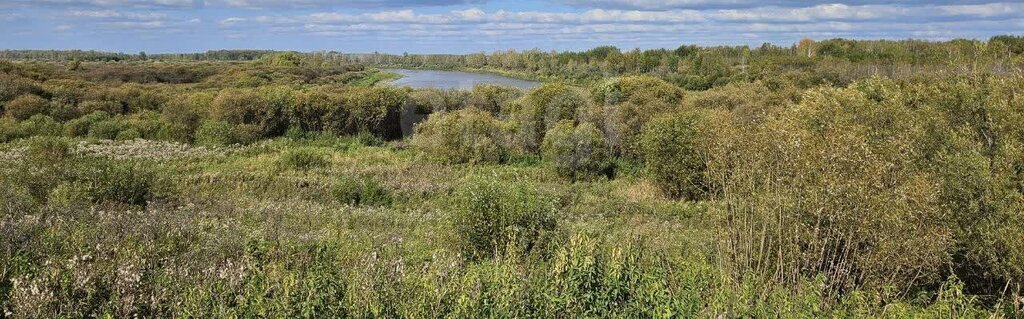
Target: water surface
x=455 y=80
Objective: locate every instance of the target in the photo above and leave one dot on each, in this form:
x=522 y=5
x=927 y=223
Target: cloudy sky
x=461 y=26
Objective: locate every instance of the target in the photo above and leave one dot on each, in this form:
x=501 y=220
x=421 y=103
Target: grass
x=232 y=235
x=375 y=77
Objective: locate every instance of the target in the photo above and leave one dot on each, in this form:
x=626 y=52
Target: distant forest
x=837 y=61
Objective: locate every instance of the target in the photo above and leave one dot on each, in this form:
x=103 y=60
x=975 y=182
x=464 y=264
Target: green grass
x=375 y=77
x=231 y=235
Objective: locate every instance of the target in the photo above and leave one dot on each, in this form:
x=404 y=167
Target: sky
x=467 y=26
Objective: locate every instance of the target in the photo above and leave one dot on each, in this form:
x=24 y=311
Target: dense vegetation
x=830 y=179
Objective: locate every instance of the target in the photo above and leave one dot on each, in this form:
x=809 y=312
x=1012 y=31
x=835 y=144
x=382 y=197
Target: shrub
x=81 y=126
x=835 y=183
x=15 y=199
x=542 y=109
x=368 y=139
x=310 y=111
x=137 y=98
x=626 y=121
x=146 y=124
x=640 y=89
x=674 y=154
x=179 y=120
x=115 y=182
x=501 y=218
x=112 y=107
x=45 y=165
x=69 y=194
x=360 y=191
x=128 y=134
x=493 y=98
x=248 y=133
x=302 y=159
x=436 y=100
x=576 y=152
x=25 y=106
x=376 y=110
x=47 y=150
x=216 y=133
x=64 y=110
x=465 y=136
x=40 y=125
x=250 y=107
x=106 y=130
x=9 y=130
x=12 y=86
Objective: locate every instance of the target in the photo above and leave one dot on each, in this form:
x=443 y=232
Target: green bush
x=109 y=181
x=47 y=150
x=9 y=130
x=64 y=110
x=40 y=125
x=108 y=106
x=494 y=217
x=258 y=109
x=49 y=163
x=675 y=156
x=82 y=125
x=128 y=134
x=464 y=136
x=147 y=123
x=578 y=152
x=436 y=100
x=248 y=133
x=106 y=130
x=302 y=159
x=25 y=106
x=493 y=98
x=375 y=110
x=628 y=104
x=836 y=184
x=179 y=120
x=368 y=139
x=69 y=194
x=542 y=109
x=12 y=86
x=625 y=122
x=311 y=110
x=138 y=98
x=640 y=89
x=216 y=133
x=15 y=200
x=361 y=191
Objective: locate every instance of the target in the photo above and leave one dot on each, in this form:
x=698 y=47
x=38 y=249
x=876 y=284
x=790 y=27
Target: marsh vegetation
x=828 y=179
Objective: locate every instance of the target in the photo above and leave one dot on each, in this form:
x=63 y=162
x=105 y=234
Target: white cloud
x=617 y=22
x=129 y=21
x=106 y=3
x=603 y=26
x=746 y=4
x=818 y=13
x=116 y=15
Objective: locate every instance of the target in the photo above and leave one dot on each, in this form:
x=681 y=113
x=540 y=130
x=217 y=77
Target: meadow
x=854 y=179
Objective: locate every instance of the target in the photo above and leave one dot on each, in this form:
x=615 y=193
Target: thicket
x=675 y=150
x=577 y=152
x=494 y=218
x=361 y=191
x=465 y=136
x=51 y=172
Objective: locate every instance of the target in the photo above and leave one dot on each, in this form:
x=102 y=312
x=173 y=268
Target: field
x=868 y=179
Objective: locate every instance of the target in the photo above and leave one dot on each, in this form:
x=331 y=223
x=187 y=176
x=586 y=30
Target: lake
x=455 y=80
